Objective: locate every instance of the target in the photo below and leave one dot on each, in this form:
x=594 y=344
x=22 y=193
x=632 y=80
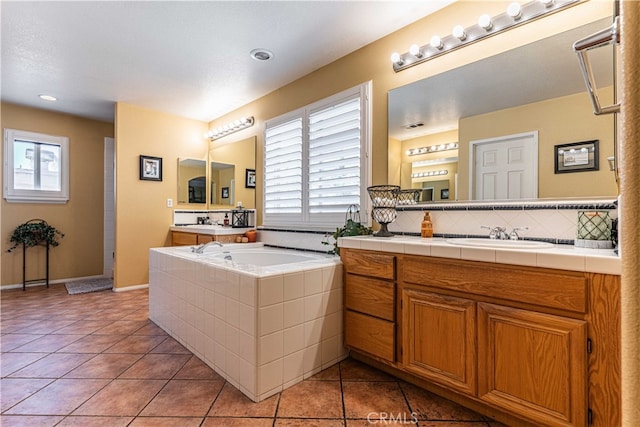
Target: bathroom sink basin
x=499 y=244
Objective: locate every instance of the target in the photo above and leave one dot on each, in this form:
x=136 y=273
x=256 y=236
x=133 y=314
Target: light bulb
x=436 y=43
x=458 y=32
x=547 y=3
x=414 y=50
x=514 y=11
x=396 y=59
x=485 y=22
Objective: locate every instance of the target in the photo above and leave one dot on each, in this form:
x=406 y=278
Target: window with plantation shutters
x=316 y=161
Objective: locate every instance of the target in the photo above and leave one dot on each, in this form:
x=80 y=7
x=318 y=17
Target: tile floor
x=96 y=360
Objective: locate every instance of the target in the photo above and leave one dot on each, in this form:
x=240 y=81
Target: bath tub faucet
x=200 y=249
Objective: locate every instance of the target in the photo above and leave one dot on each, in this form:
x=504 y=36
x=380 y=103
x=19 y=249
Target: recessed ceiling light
x=48 y=97
x=261 y=54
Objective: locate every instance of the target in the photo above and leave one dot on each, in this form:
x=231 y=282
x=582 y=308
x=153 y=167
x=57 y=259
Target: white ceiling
x=185 y=58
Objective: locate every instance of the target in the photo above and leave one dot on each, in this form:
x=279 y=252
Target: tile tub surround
x=561 y=257
x=263 y=329
x=553 y=220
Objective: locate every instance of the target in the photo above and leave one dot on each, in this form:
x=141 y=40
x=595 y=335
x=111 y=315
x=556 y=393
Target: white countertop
x=210 y=229
x=563 y=257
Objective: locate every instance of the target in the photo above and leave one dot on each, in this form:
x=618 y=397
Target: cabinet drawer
x=370 y=264
x=205 y=238
x=565 y=290
x=179 y=238
x=370 y=296
x=370 y=334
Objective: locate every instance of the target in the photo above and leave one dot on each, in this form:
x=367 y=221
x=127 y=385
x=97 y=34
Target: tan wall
x=81 y=219
x=558 y=121
x=241 y=154
x=142 y=217
x=630 y=205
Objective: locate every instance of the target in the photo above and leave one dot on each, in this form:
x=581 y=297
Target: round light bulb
x=514 y=11
x=414 y=50
x=547 y=3
x=485 y=22
x=396 y=59
x=436 y=43
x=458 y=32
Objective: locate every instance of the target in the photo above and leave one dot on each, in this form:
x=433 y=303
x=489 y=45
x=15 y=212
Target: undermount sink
x=499 y=244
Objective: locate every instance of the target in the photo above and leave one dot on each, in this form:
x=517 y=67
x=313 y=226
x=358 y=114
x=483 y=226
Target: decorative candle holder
x=408 y=197
x=384 y=199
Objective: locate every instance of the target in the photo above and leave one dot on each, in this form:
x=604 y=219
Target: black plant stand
x=24 y=268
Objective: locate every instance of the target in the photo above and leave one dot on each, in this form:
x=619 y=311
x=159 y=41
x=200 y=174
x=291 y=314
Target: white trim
x=131 y=288
x=13 y=195
x=51 y=282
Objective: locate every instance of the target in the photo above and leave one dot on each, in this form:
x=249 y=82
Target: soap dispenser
x=226 y=219
x=426 y=230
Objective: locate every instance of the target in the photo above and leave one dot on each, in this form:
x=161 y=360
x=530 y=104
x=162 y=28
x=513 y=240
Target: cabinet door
x=439 y=339
x=205 y=238
x=533 y=364
x=179 y=238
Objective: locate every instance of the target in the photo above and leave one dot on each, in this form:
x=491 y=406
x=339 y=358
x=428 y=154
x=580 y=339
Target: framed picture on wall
x=576 y=157
x=444 y=193
x=225 y=193
x=250 y=178
x=150 y=168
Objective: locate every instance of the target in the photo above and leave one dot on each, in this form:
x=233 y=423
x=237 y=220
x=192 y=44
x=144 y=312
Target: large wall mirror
x=536 y=88
x=192 y=181
x=229 y=162
x=219 y=181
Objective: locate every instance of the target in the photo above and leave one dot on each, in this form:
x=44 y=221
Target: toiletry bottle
x=426 y=230
x=226 y=219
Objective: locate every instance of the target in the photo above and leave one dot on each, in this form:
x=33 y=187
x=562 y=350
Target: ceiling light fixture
x=261 y=54
x=486 y=26
x=432 y=149
x=230 y=128
x=440 y=172
x=47 y=97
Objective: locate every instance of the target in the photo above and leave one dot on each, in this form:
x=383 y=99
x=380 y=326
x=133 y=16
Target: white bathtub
x=264 y=320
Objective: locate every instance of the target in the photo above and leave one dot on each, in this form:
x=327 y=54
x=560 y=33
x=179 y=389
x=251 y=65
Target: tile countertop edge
x=560 y=257
x=215 y=231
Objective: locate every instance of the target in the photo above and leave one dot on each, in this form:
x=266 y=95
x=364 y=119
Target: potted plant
x=352 y=227
x=34 y=232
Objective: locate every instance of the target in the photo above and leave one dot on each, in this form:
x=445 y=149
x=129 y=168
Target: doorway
x=505 y=167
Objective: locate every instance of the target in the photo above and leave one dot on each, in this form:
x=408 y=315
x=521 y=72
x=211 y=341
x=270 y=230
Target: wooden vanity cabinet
x=369 y=300
x=183 y=238
x=528 y=346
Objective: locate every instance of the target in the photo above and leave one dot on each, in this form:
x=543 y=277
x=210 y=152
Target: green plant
x=33 y=232
x=350 y=228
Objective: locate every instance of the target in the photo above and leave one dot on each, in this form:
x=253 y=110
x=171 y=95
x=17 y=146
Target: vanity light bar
x=430 y=173
x=487 y=26
x=230 y=128
x=432 y=149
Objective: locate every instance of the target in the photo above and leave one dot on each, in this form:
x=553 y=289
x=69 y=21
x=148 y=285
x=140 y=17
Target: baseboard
x=51 y=282
x=131 y=288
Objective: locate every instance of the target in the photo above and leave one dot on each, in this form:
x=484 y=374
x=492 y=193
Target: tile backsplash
x=188 y=217
x=554 y=221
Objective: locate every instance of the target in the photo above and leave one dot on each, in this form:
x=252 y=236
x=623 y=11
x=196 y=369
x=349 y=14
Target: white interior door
x=505 y=167
x=109 y=207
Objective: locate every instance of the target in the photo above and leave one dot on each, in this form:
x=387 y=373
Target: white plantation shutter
x=334 y=157
x=316 y=163
x=283 y=168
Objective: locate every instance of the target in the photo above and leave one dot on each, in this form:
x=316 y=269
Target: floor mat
x=89 y=285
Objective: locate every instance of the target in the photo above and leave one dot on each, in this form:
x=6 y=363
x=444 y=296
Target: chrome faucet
x=500 y=233
x=496 y=233
x=514 y=233
x=200 y=248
